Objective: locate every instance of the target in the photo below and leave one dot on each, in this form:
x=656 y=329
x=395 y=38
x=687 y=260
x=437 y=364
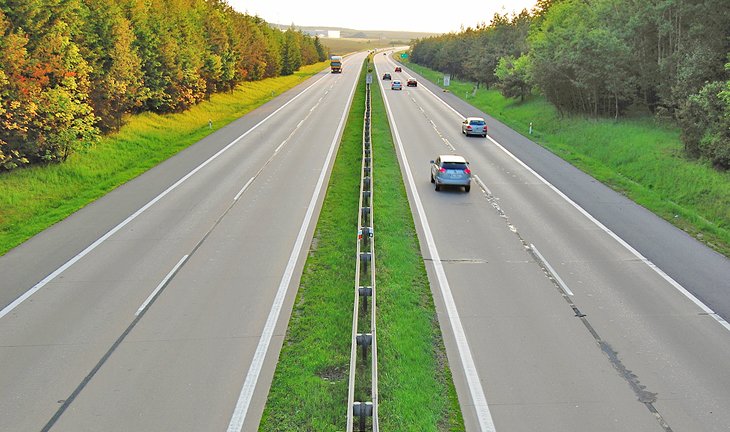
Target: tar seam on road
x=643 y=396
x=9 y=308
x=484 y=416
x=244 y=399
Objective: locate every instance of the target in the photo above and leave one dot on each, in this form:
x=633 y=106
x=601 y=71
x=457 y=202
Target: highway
x=553 y=317
x=163 y=305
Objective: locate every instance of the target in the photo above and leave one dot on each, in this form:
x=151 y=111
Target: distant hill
x=363 y=34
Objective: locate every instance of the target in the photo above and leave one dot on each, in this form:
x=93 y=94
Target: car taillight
x=467 y=170
x=443 y=170
x=468 y=128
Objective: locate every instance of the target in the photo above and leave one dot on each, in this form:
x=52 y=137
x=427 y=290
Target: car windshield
x=477 y=122
x=453 y=166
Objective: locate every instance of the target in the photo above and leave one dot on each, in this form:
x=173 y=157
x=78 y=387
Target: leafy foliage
x=606 y=58
x=71 y=69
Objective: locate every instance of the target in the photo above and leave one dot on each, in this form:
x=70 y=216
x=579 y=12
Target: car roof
x=452 y=158
x=474 y=118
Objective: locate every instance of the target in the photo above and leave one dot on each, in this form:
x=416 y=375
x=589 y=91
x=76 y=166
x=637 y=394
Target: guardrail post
x=365 y=258
x=364 y=292
x=364 y=340
x=362 y=411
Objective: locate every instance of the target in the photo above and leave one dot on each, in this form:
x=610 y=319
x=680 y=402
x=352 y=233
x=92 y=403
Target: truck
x=336 y=64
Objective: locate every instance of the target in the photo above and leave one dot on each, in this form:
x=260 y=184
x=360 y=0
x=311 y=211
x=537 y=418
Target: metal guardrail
x=364 y=386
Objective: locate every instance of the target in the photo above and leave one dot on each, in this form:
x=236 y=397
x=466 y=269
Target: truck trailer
x=336 y=64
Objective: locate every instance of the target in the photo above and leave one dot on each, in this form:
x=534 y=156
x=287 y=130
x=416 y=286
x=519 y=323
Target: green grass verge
x=637 y=157
x=35 y=198
x=309 y=389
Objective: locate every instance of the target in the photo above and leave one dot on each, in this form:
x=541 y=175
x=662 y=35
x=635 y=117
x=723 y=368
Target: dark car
x=411 y=83
x=398 y=69
x=451 y=170
x=386 y=76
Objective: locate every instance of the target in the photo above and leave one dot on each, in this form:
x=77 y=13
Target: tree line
x=71 y=69
x=606 y=58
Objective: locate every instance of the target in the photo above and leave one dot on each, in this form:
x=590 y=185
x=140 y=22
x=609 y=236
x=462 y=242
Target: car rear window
x=453 y=165
x=477 y=122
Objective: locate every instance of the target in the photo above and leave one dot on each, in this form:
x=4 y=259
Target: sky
x=413 y=15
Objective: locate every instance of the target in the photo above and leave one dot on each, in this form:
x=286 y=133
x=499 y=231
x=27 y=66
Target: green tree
x=705 y=121
x=321 y=50
x=514 y=81
x=291 y=55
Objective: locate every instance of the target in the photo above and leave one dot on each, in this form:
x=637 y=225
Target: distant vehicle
x=386 y=76
x=396 y=85
x=398 y=69
x=336 y=64
x=411 y=83
x=474 y=126
x=451 y=170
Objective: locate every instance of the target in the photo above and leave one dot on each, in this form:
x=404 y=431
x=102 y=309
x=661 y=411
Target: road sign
x=404 y=55
x=447 y=80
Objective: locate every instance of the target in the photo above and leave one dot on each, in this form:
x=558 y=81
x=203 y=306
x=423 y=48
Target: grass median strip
x=32 y=199
x=309 y=390
x=638 y=157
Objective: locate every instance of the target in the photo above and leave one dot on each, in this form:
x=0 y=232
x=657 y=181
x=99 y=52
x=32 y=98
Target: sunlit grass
x=35 y=198
x=638 y=157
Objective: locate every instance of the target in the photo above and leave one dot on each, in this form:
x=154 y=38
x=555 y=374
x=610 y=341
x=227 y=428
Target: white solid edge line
x=9 y=308
x=621 y=241
x=552 y=271
x=159 y=287
x=600 y=225
x=481 y=407
x=247 y=391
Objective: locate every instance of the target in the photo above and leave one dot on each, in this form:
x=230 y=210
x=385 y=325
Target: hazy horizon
x=391 y=17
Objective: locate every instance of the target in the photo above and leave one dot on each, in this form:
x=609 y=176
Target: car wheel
x=432 y=180
x=467 y=188
x=438 y=187
x=485 y=135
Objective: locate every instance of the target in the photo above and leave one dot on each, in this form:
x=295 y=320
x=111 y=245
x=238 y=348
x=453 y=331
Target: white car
x=474 y=126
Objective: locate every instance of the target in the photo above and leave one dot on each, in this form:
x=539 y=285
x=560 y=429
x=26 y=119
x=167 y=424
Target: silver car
x=451 y=170
x=474 y=126
x=396 y=85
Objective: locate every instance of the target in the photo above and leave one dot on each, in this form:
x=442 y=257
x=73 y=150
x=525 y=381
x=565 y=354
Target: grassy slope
x=35 y=198
x=309 y=390
x=636 y=157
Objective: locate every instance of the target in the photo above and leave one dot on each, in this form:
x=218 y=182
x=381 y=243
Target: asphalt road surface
x=565 y=307
x=162 y=306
